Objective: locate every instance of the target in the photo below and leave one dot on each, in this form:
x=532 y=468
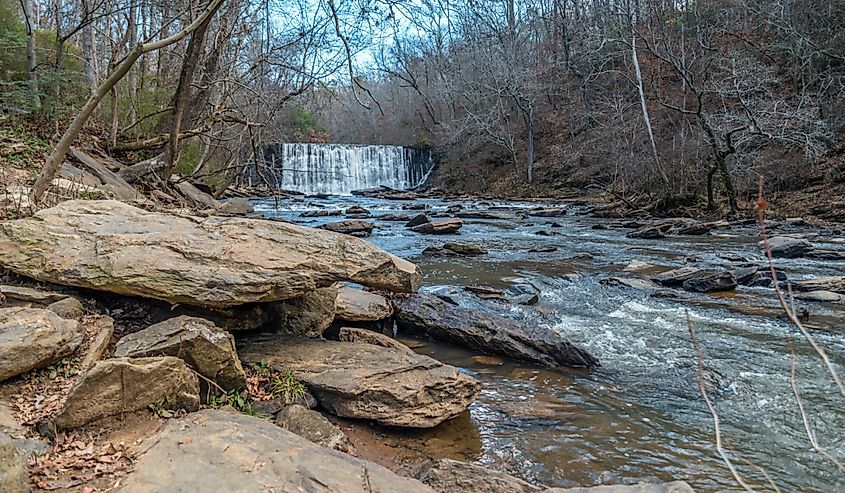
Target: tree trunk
x=89 y=50
x=32 y=82
x=54 y=160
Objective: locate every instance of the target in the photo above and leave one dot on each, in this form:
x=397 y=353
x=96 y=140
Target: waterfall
x=339 y=169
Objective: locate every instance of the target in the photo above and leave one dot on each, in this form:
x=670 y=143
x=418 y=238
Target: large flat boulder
x=487 y=332
x=123 y=385
x=308 y=315
x=356 y=305
x=32 y=338
x=214 y=261
x=357 y=380
x=220 y=451
x=206 y=348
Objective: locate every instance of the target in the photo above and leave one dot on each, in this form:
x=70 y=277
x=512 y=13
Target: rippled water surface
x=640 y=417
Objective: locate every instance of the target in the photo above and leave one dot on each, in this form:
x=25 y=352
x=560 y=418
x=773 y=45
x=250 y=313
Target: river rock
x=820 y=296
x=711 y=282
x=487 y=293
x=789 y=247
x=465 y=248
x=313 y=426
x=208 y=349
x=32 y=338
x=321 y=213
x=30 y=295
x=481 y=215
x=14 y=474
x=745 y=276
x=672 y=487
x=439 y=227
x=418 y=220
x=356 y=380
x=214 y=261
x=487 y=332
x=236 y=207
x=547 y=212
x=122 y=385
x=650 y=232
x=677 y=277
x=832 y=283
x=394 y=217
x=450 y=476
x=357 y=305
x=221 y=451
x=350 y=227
x=308 y=315
x=357 y=210
x=353 y=334
x=69 y=308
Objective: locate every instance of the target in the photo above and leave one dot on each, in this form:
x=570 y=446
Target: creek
x=640 y=417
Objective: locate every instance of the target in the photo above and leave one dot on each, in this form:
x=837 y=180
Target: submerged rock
x=220 y=451
x=32 y=338
x=488 y=332
x=207 y=348
x=313 y=426
x=356 y=380
x=215 y=261
x=356 y=305
x=449 y=476
x=308 y=315
x=122 y=385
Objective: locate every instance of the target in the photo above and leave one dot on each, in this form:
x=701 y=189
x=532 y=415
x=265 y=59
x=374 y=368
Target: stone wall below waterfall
x=340 y=168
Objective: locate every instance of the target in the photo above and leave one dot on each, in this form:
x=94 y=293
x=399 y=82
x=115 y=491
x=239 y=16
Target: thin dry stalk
x=811 y=435
x=718 y=432
x=787 y=309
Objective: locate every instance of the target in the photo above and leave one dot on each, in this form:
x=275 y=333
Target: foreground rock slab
x=357 y=380
x=215 y=261
x=356 y=305
x=220 y=451
x=207 y=348
x=313 y=426
x=32 y=338
x=122 y=385
x=488 y=332
x=447 y=476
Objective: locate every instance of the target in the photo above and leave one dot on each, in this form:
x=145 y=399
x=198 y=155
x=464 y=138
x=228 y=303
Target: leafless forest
x=661 y=103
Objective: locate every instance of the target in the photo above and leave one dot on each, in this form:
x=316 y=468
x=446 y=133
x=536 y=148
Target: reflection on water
x=640 y=416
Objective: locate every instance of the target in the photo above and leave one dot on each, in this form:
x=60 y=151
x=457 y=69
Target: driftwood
x=130 y=174
x=111 y=180
x=196 y=195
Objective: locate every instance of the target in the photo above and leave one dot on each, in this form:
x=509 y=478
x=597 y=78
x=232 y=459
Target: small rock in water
x=350 y=227
x=487 y=293
x=543 y=249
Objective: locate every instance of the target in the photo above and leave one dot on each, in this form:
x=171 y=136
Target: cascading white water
x=341 y=168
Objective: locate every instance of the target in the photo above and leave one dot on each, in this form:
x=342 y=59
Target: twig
x=719 y=448
x=810 y=434
x=760 y=206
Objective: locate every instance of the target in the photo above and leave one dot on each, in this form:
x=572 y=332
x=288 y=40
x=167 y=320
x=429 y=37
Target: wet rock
x=677 y=277
x=547 y=212
x=698 y=228
x=357 y=210
x=788 y=247
x=711 y=282
x=418 y=220
x=449 y=476
x=745 y=276
x=819 y=254
x=636 y=266
x=208 y=349
x=487 y=293
x=69 y=308
x=32 y=338
x=821 y=296
x=322 y=213
x=350 y=227
x=439 y=227
x=465 y=248
x=356 y=305
x=352 y=334
x=488 y=332
x=672 y=487
x=525 y=299
x=543 y=232
x=308 y=315
x=30 y=295
x=833 y=283
x=236 y=207
x=122 y=385
x=394 y=217
x=482 y=215
x=14 y=474
x=314 y=427
x=356 y=380
x=218 y=451
x=454 y=208
x=213 y=262
x=628 y=282
x=598 y=226
x=414 y=207
x=543 y=249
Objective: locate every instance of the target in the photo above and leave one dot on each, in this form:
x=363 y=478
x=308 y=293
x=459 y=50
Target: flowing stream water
x=639 y=417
